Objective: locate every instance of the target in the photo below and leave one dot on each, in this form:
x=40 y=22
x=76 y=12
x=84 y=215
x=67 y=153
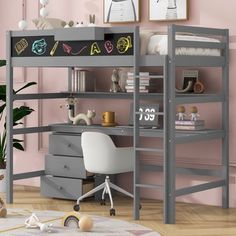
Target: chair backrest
x=98 y=150
x=103 y=157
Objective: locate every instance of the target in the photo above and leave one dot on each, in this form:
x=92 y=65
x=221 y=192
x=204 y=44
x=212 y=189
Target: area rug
x=13 y=225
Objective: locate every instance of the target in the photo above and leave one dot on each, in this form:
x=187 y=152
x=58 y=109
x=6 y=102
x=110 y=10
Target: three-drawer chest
x=66 y=176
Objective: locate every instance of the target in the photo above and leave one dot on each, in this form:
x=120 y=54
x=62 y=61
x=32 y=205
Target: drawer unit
x=66 y=188
x=65 y=166
x=64 y=144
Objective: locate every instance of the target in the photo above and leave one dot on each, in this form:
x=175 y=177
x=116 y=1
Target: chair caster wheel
x=76 y=207
x=103 y=202
x=112 y=212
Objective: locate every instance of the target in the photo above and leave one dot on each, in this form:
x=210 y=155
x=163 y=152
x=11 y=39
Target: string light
x=22 y=24
x=43 y=11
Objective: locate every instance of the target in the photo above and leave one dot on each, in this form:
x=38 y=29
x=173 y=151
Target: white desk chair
x=101 y=156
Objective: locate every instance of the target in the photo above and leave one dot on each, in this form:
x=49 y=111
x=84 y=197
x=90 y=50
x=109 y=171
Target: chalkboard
x=46 y=46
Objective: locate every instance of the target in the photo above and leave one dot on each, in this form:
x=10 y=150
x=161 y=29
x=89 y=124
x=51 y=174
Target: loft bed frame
x=170 y=99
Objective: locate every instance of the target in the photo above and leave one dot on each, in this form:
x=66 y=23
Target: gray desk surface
x=123 y=130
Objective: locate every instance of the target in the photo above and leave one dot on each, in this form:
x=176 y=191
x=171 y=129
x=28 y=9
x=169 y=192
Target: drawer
x=63 y=144
x=66 y=166
x=65 y=188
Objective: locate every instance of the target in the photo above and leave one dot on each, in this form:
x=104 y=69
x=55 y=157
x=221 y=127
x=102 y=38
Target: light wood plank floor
x=191 y=219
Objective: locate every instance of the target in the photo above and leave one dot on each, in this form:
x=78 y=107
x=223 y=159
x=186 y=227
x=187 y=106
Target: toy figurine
x=71 y=101
x=34 y=222
x=181 y=113
x=91 y=20
x=193 y=113
x=115 y=87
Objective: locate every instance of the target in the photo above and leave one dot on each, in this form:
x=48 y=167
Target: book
x=190 y=122
x=141 y=82
x=141 y=90
x=189 y=127
x=140 y=87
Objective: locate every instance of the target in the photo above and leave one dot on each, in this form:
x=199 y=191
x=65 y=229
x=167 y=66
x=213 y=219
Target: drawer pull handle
x=60 y=187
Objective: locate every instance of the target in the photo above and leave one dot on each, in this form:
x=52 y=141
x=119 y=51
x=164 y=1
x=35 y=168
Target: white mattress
x=158 y=45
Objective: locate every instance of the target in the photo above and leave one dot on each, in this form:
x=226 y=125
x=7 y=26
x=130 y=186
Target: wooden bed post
x=169 y=134
x=9 y=117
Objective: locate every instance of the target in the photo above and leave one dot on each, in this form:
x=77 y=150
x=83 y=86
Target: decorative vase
x=3 y=182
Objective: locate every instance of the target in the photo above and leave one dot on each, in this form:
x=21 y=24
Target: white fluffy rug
x=13 y=225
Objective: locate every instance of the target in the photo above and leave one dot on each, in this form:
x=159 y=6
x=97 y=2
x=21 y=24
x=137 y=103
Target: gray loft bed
x=17 y=58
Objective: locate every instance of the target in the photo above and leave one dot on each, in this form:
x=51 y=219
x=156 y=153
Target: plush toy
x=115 y=87
x=34 y=222
x=85 y=223
x=3 y=210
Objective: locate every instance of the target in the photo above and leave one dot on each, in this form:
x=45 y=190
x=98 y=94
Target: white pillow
x=49 y=23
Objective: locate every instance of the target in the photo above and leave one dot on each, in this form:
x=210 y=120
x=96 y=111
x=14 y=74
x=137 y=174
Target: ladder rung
x=149 y=185
x=149 y=113
x=150 y=150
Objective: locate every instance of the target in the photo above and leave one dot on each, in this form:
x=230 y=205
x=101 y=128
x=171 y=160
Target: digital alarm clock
x=146 y=119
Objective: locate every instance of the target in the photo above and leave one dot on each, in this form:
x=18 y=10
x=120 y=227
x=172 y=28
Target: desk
x=180 y=136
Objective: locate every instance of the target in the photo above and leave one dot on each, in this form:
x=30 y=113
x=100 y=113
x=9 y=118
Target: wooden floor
x=191 y=219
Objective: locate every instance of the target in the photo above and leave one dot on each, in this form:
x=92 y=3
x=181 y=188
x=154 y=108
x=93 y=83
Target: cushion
x=49 y=23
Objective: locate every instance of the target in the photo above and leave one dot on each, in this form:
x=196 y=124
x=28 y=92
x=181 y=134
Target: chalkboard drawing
x=108 y=46
x=21 y=46
x=68 y=49
x=54 y=48
x=95 y=49
x=39 y=47
x=123 y=44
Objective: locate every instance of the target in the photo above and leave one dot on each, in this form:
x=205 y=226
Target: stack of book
x=146 y=84
x=190 y=124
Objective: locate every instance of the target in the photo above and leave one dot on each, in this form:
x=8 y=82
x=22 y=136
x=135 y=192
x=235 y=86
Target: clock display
x=146 y=118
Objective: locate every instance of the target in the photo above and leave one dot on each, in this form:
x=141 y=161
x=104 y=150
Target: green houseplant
x=18 y=114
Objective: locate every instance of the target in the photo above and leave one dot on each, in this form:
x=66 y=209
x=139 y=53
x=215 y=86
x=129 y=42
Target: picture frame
x=121 y=11
x=168 y=10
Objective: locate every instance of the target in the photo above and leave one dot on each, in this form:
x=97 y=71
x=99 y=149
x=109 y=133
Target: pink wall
x=201 y=13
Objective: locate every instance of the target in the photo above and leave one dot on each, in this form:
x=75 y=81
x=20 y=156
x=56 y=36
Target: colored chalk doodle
x=108 y=46
x=68 y=49
x=54 y=48
x=21 y=45
x=123 y=44
x=81 y=50
x=39 y=47
x=95 y=49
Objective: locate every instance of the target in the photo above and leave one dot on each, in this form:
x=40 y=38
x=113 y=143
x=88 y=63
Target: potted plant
x=18 y=114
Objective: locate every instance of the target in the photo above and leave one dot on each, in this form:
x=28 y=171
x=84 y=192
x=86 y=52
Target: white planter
x=3 y=182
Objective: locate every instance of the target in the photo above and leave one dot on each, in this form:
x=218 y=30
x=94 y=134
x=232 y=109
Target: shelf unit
x=170 y=99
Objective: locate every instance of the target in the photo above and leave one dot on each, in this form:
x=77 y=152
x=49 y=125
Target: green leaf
x=18 y=146
x=20 y=112
x=3 y=92
x=17 y=140
x=3 y=62
x=25 y=86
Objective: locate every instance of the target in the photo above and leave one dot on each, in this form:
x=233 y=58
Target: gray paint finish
x=70 y=188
